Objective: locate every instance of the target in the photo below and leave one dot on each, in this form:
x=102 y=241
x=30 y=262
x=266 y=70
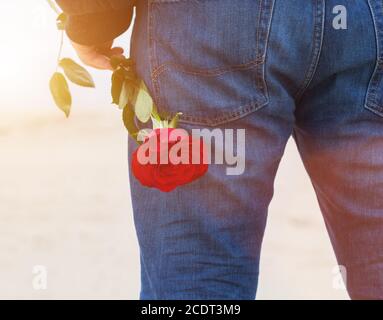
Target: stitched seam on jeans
x=259 y=26
x=152 y=54
x=230 y=116
x=301 y=88
x=205 y=72
x=376 y=106
x=375 y=109
x=317 y=47
x=260 y=72
x=370 y=99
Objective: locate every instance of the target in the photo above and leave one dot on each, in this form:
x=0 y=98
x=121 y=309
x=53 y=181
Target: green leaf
x=119 y=76
x=128 y=94
x=117 y=81
x=155 y=113
x=129 y=74
x=174 y=122
x=60 y=92
x=76 y=73
x=144 y=104
x=128 y=118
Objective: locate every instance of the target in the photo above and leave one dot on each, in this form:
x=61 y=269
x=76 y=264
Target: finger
x=116 y=51
x=101 y=62
x=108 y=51
x=97 y=61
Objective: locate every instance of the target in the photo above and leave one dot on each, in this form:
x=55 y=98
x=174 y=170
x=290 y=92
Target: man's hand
x=97 y=56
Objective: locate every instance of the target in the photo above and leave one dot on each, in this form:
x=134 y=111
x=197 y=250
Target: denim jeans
x=277 y=68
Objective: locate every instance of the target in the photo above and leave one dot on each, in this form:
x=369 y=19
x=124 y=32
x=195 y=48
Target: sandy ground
x=64 y=204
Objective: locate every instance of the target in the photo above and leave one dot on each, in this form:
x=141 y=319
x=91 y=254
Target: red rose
x=165 y=160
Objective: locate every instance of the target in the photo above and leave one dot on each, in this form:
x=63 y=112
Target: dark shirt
x=92 y=22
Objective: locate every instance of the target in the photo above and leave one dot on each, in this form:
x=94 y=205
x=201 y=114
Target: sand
x=65 y=204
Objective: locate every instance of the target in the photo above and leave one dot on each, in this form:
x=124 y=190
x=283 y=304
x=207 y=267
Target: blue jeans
x=275 y=68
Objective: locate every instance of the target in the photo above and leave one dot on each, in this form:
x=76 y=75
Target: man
x=311 y=69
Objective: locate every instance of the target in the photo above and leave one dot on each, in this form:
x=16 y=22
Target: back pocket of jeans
x=207 y=57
